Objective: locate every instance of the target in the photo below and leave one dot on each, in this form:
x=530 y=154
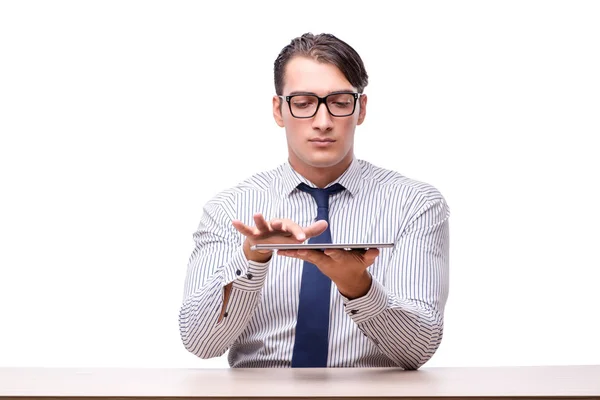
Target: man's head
x=327 y=49
x=319 y=65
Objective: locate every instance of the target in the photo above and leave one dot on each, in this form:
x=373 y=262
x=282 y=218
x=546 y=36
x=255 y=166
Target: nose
x=322 y=119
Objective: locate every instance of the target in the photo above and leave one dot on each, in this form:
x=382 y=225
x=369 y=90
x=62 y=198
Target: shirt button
x=249 y=276
x=353 y=312
x=238 y=272
x=224 y=315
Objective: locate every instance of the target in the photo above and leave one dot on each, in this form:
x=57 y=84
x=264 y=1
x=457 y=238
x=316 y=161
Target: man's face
x=323 y=141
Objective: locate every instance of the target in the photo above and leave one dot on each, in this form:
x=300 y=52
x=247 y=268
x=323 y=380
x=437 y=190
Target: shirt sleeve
x=217 y=260
x=404 y=317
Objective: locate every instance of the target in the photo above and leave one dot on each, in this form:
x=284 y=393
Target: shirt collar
x=351 y=179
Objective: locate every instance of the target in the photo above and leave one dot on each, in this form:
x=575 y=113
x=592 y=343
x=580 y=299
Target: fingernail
x=301 y=236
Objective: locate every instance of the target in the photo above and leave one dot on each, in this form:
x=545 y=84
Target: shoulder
x=393 y=181
x=258 y=183
x=408 y=197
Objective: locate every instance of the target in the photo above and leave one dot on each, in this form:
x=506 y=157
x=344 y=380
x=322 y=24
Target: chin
x=323 y=160
x=320 y=158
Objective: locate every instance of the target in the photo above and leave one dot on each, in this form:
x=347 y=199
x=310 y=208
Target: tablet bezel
x=319 y=246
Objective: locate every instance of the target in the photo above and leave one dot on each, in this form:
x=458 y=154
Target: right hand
x=279 y=230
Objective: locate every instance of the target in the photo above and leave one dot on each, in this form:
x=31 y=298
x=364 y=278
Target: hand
x=274 y=231
x=347 y=269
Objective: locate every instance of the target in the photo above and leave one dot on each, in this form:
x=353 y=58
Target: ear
x=277 y=108
x=362 y=112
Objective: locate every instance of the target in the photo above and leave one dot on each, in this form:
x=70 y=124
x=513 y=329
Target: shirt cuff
x=245 y=275
x=370 y=305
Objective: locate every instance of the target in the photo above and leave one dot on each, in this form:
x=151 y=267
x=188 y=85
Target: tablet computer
x=321 y=246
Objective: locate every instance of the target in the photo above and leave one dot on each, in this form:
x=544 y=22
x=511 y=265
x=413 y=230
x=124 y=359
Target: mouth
x=322 y=140
x=321 y=143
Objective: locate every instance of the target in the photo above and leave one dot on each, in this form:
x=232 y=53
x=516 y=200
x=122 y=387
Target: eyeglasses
x=306 y=105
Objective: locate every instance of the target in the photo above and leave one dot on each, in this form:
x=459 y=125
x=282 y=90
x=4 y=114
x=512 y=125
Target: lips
x=322 y=143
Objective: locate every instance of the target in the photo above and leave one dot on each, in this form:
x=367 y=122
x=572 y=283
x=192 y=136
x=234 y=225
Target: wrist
x=256 y=256
x=357 y=287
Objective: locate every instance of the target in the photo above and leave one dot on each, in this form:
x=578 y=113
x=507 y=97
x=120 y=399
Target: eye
x=340 y=104
x=341 y=101
x=303 y=104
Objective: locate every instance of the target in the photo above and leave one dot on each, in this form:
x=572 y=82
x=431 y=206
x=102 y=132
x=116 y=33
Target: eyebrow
x=314 y=94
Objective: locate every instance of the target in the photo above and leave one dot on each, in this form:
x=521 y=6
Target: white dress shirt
x=398 y=323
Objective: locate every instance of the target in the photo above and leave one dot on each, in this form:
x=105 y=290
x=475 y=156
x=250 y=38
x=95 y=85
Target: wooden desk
x=571 y=382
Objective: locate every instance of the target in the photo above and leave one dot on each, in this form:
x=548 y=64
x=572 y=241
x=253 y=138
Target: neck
x=321 y=177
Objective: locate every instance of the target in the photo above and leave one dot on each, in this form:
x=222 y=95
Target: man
x=308 y=308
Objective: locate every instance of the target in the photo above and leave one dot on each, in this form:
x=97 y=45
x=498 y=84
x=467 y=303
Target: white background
x=120 y=119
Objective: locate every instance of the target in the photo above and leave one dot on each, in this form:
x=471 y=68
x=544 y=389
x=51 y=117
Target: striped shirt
x=398 y=323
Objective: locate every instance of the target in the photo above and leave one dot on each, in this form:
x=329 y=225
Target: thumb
x=370 y=256
x=335 y=254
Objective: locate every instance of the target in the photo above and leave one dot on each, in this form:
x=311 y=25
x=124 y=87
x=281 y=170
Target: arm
x=404 y=318
x=208 y=323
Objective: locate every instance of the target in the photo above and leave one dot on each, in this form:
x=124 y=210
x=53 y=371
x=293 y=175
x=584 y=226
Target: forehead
x=307 y=75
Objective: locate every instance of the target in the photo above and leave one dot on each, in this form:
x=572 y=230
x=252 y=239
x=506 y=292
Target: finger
x=313 y=256
x=261 y=223
x=316 y=228
x=243 y=228
x=296 y=230
x=277 y=224
x=287 y=253
x=289 y=226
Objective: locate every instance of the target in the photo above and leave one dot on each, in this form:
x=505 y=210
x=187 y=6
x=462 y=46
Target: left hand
x=347 y=269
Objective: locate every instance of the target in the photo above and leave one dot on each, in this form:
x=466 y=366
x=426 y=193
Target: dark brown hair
x=324 y=48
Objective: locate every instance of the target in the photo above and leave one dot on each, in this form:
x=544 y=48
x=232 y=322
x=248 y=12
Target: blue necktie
x=312 y=329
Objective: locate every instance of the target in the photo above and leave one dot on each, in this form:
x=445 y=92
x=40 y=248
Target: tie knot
x=321 y=195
